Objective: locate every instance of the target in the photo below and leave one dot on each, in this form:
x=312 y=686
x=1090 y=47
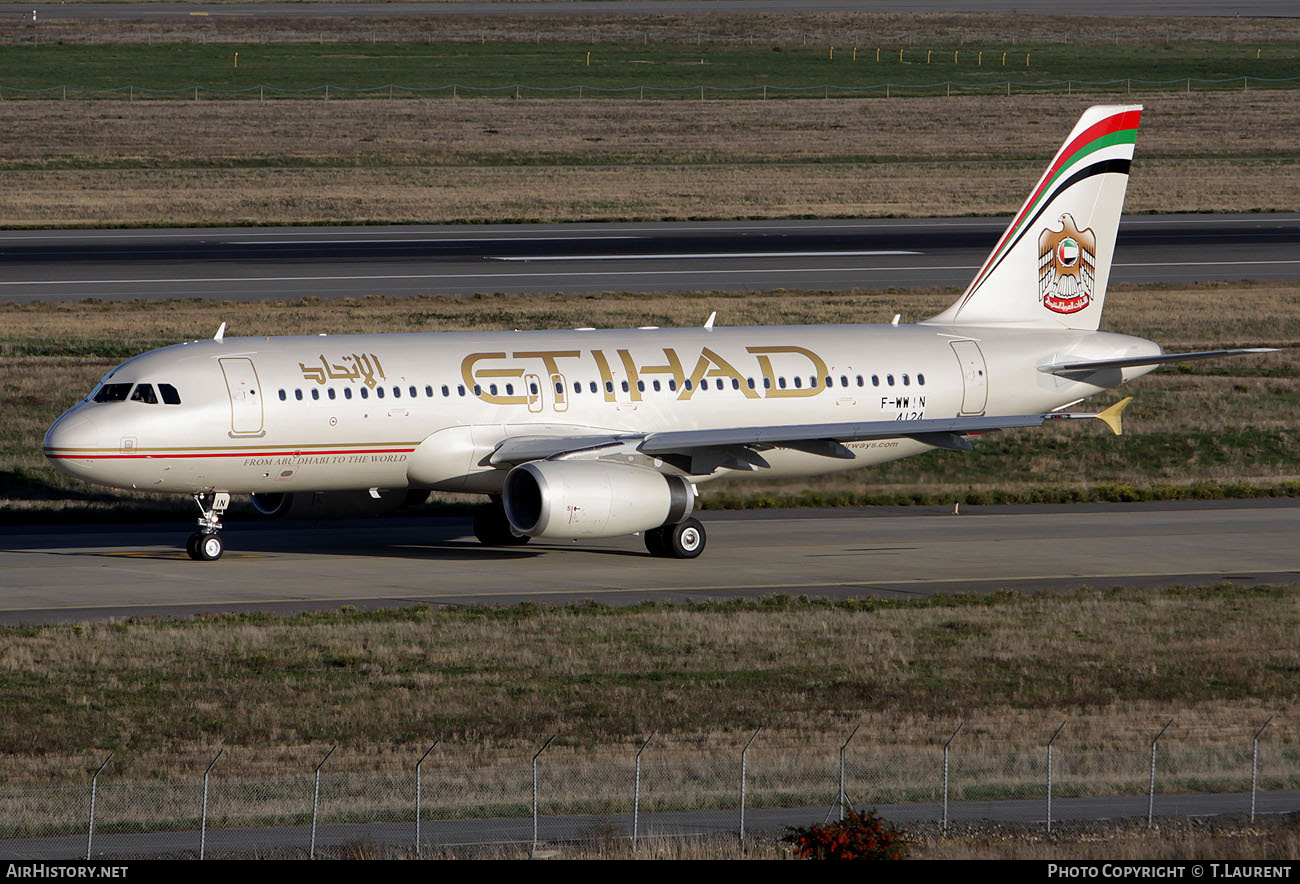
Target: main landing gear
x=492 y=528
x=205 y=544
x=684 y=540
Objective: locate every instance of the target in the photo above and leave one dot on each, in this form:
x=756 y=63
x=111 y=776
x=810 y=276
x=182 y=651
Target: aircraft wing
x=1161 y=359
x=702 y=451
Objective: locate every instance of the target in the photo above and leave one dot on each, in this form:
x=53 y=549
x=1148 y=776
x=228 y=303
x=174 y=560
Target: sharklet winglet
x=1111 y=416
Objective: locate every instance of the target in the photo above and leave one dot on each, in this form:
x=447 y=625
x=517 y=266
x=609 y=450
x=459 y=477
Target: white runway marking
x=691 y=255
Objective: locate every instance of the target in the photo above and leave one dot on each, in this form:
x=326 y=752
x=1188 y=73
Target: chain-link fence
x=449 y=798
x=698 y=92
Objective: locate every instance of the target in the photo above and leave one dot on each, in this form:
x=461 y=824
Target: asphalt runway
x=461 y=260
x=96 y=572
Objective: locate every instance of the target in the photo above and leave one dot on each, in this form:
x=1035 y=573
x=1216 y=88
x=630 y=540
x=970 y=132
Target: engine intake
x=571 y=499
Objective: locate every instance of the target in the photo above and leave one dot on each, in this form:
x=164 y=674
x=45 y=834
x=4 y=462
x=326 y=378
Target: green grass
x=620 y=65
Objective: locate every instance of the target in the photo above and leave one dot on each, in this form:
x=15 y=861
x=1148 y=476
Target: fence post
x=744 y=753
x=533 y=852
x=94 y=786
x=1254 y=768
x=843 y=792
x=1151 y=793
x=315 y=801
x=945 y=774
x=1049 y=774
x=417 y=793
x=636 y=790
x=203 y=825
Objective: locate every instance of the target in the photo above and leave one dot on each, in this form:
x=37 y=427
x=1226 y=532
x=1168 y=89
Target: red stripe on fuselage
x=228 y=454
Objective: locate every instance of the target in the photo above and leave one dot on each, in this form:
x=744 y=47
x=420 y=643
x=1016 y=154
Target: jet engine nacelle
x=335 y=504
x=586 y=498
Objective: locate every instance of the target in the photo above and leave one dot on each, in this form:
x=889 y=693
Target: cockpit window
x=144 y=393
x=112 y=393
x=169 y=394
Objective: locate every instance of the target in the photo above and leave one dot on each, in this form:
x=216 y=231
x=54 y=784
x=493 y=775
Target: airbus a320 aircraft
x=596 y=433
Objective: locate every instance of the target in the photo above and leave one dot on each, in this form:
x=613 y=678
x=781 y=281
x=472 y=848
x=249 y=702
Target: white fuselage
x=391 y=411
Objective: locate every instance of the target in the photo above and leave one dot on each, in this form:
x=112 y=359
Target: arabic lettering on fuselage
x=774 y=363
x=364 y=367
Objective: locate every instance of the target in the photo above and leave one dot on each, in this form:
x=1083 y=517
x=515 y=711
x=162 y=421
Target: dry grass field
x=340 y=162
x=493 y=683
x=782 y=27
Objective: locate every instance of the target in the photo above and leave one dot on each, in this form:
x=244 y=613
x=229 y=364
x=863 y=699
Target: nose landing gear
x=205 y=544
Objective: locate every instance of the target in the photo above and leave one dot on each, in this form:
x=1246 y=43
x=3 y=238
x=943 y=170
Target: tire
x=192 y=546
x=493 y=529
x=654 y=542
x=685 y=540
x=208 y=547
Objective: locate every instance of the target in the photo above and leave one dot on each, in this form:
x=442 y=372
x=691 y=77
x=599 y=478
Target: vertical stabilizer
x=1051 y=265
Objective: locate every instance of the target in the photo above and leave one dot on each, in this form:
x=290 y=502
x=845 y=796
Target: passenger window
x=492 y=388
x=907 y=381
x=379 y=391
x=889 y=379
x=577 y=386
x=428 y=391
x=798 y=381
x=171 y=397
x=920 y=379
x=283 y=396
x=844 y=380
x=478 y=391
x=347 y=392
x=780 y=382
x=445 y=391
x=875 y=380
x=112 y=393
x=640 y=386
x=735 y=383
x=413 y=392
x=315 y=393
x=624 y=385
x=767 y=383
x=332 y=394
x=609 y=386
x=460 y=389
x=688 y=383
x=657 y=386
x=365 y=393
x=297 y=394
x=750 y=381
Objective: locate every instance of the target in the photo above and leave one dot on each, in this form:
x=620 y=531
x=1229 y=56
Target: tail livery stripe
x=1120 y=128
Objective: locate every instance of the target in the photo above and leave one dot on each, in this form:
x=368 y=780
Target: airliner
x=590 y=433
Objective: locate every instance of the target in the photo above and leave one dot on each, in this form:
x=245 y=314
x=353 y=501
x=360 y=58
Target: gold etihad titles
x=773 y=364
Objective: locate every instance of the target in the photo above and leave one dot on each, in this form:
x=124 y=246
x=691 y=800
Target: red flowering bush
x=858 y=836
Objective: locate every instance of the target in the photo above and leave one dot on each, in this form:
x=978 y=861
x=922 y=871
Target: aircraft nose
x=73 y=442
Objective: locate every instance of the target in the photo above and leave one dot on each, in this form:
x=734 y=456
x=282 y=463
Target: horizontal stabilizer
x=1134 y=361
